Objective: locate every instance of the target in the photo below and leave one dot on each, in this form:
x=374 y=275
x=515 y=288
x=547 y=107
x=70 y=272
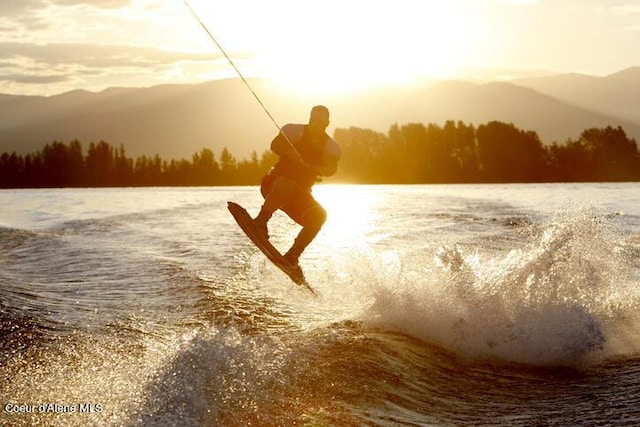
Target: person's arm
x=282 y=144
x=332 y=154
x=328 y=168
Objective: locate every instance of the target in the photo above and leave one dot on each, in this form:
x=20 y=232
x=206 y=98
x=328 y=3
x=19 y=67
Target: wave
x=567 y=297
x=242 y=358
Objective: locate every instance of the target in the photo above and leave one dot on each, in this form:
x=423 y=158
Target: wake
x=566 y=297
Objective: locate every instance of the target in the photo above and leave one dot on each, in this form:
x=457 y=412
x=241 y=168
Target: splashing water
x=149 y=305
x=558 y=300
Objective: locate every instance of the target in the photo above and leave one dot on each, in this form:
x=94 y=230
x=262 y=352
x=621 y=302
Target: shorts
x=299 y=203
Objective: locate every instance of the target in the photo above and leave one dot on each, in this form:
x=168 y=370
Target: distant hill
x=176 y=121
x=172 y=120
x=617 y=94
x=526 y=108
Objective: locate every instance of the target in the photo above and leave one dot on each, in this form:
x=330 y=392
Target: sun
x=356 y=45
x=337 y=46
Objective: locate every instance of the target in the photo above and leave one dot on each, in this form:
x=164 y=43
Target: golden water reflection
x=351 y=213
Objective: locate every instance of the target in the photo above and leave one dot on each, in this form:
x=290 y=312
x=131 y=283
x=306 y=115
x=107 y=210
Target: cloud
x=627 y=9
x=23 y=9
x=14 y=7
x=31 y=79
x=60 y=67
x=105 y=4
x=628 y=14
x=17 y=16
x=10 y=8
x=95 y=56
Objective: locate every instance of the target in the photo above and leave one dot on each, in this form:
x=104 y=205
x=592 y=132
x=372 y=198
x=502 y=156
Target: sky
x=53 y=46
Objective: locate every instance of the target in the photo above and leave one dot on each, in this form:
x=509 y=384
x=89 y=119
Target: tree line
x=409 y=154
x=66 y=165
x=494 y=152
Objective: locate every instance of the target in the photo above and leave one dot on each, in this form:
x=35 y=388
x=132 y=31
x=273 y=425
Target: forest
x=413 y=153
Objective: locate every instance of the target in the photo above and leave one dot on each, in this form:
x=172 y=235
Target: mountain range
x=175 y=121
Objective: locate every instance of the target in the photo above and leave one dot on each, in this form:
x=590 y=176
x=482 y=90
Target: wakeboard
x=245 y=222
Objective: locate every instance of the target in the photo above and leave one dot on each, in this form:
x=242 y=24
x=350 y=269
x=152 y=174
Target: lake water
x=439 y=305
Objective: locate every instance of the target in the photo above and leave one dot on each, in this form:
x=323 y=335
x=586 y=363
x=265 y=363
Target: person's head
x=319 y=118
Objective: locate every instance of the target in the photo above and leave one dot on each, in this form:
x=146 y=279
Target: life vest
x=315 y=153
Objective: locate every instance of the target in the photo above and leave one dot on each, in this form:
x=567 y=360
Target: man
x=305 y=153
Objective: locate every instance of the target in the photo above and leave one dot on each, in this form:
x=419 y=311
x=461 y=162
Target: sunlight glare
x=357 y=45
x=349 y=213
x=339 y=47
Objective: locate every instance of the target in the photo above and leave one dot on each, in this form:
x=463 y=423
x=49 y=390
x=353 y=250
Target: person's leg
x=312 y=220
x=276 y=194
